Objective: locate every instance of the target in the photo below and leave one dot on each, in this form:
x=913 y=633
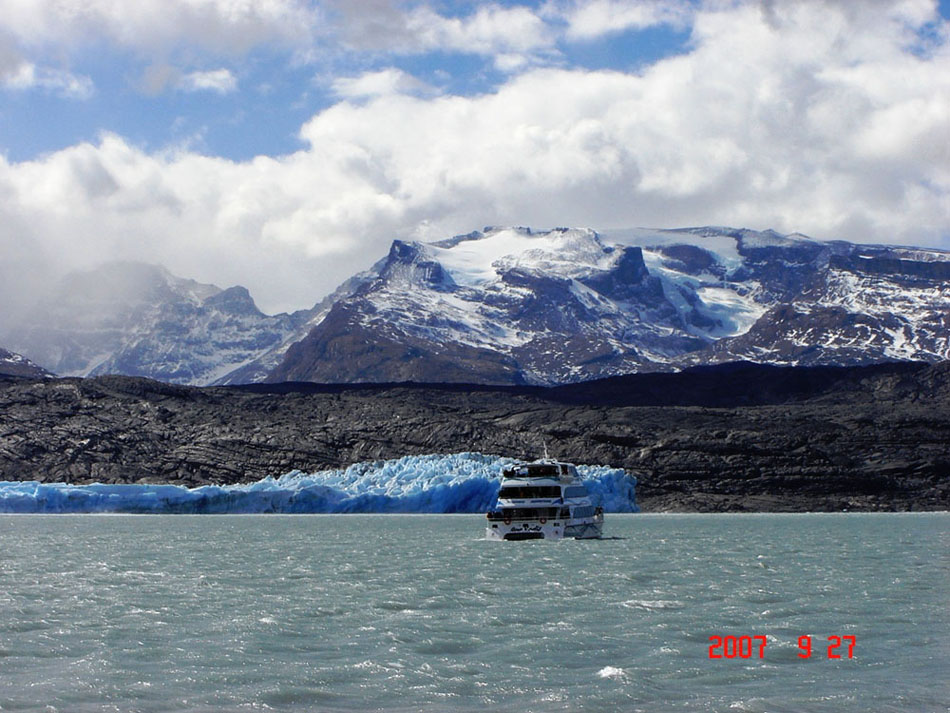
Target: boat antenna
x=545 y=445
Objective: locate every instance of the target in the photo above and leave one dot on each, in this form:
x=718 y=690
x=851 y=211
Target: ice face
x=457 y=483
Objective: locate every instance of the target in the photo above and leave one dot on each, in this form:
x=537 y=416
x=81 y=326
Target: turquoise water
x=407 y=613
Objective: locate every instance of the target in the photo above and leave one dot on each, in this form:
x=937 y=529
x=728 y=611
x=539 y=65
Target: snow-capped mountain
x=510 y=305
x=12 y=364
x=256 y=370
x=840 y=303
x=139 y=319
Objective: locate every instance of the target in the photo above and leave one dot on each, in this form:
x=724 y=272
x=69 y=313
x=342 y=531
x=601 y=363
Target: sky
x=283 y=144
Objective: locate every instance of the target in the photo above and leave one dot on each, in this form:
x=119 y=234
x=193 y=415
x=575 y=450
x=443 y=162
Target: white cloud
x=217 y=80
x=156 y=27
x=589 y=19
x=170 y=34
x=379 y=83
x=216 y=25
x=491 y=30
x=804 y=116
x=37 y=33
x=28 y=76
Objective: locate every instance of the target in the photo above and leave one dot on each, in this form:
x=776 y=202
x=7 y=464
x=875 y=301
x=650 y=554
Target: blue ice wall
x=461 y=482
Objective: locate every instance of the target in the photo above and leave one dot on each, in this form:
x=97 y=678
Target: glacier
x=437 y=483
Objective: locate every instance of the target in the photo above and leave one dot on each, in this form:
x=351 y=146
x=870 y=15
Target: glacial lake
x=420 y=613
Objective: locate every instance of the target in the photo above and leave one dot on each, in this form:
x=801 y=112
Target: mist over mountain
x=139 y=319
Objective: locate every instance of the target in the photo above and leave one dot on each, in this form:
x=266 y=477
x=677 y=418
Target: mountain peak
x=411 y=263
x=234 y=300
x=17 y=365
x=139 y=319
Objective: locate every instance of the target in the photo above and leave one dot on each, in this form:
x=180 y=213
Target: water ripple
x=346 y=613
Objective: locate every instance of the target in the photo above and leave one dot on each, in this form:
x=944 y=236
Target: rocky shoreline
x=735 y=438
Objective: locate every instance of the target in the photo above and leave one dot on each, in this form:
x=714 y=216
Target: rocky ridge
x=17 y=365
x=735 y=437
x=509 y=305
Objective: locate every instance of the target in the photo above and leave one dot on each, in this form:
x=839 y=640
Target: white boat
x=547 y=500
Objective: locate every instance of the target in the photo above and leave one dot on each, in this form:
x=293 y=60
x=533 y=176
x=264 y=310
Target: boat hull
x=551 y=530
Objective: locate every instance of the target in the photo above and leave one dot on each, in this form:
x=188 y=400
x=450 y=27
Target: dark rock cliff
x=729 y=438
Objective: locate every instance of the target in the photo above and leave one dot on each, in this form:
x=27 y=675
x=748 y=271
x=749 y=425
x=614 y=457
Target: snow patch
x=736 y=312
x=724 y=247
x=564 y=252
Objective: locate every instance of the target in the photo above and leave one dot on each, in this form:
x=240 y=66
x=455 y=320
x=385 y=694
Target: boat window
x=523 y=514
x=535 y=470
x=529 y=491
x=548 y=513
x=577 y=491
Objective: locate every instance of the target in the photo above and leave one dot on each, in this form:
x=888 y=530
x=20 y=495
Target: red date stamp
x=747 y=647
